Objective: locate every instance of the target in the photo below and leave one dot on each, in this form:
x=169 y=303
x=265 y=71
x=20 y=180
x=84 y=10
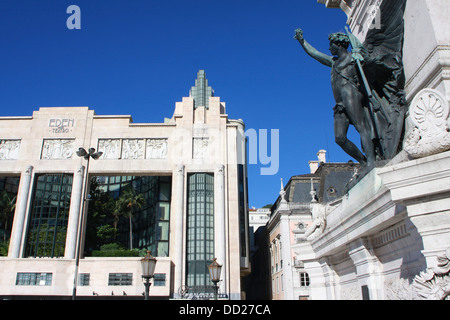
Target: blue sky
x=139 y=57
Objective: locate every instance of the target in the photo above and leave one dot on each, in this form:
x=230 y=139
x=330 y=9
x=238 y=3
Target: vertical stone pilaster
x=367 y=267
x=76 y=205
x=331 y=278
x=178 y=215
x=285 y=253
x=20 y=213
x=219 y=224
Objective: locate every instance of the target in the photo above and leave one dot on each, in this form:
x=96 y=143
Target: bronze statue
x=368 y=85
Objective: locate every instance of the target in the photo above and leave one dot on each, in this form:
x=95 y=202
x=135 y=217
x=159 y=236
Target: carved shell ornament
x=429 y=113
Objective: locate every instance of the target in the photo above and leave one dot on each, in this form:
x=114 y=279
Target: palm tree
x=7 y=205
x=129 y=200
x=116 y=212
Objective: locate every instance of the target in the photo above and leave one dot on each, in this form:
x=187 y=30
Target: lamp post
x=148 y=264
x=214 y=272
x=86 y=155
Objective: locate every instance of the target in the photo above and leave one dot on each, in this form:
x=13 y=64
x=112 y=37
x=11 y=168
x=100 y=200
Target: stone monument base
x=391 y=225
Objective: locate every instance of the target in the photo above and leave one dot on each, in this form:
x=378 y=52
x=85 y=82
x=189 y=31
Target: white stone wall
x=63 y=275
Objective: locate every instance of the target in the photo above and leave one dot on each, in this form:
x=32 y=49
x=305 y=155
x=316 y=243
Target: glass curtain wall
x=200 y=228
x=47 y=227
x=150 y=220
x=151 y=223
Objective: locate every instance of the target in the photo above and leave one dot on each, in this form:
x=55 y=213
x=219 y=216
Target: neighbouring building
x=296 y=219
x=191 y=171
x=257 y=283
x=258 y=217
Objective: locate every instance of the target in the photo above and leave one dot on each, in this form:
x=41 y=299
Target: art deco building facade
x=190 y=170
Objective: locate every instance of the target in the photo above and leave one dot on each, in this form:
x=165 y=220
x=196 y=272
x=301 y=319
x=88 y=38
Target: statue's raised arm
x=313 y=52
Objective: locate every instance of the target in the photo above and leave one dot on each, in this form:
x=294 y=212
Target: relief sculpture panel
x=151 y=148
x=156 y=149
x=200 y=148
x=111 y=148
x=133 y=148
x=58 y=149
x=9 y=149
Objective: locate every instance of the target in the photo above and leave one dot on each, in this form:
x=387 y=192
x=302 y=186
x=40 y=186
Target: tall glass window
x=47 y=227
x=200 y=228
x=243 y=226
x=150 y=220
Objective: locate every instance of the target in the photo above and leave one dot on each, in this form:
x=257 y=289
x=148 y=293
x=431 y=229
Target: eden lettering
x=60 y=125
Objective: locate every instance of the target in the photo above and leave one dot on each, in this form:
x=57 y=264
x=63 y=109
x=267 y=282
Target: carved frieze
x=200 y=148
x=58 y=149
x=156 y=149
x=133 y=148
x=111 y=148
x=151 y=148
x=400 y=289
x=9 y=149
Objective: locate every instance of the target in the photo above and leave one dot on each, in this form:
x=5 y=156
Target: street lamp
x=86 y=155
x=214 y=272
x=148 y=264
x=89 y=154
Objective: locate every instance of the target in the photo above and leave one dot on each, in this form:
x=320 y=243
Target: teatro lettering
x=61 y=125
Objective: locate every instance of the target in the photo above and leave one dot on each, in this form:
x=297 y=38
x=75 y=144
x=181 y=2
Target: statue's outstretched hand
x=299 y=35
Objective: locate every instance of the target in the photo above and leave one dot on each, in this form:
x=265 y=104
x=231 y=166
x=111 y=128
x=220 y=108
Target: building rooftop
x=325 y=184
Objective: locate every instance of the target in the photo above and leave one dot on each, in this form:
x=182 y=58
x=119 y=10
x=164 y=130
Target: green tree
x=106 y=234
x=116 y=212
x=101 y=204
x=7 y=207
x=4 y=246
x=128 y=200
